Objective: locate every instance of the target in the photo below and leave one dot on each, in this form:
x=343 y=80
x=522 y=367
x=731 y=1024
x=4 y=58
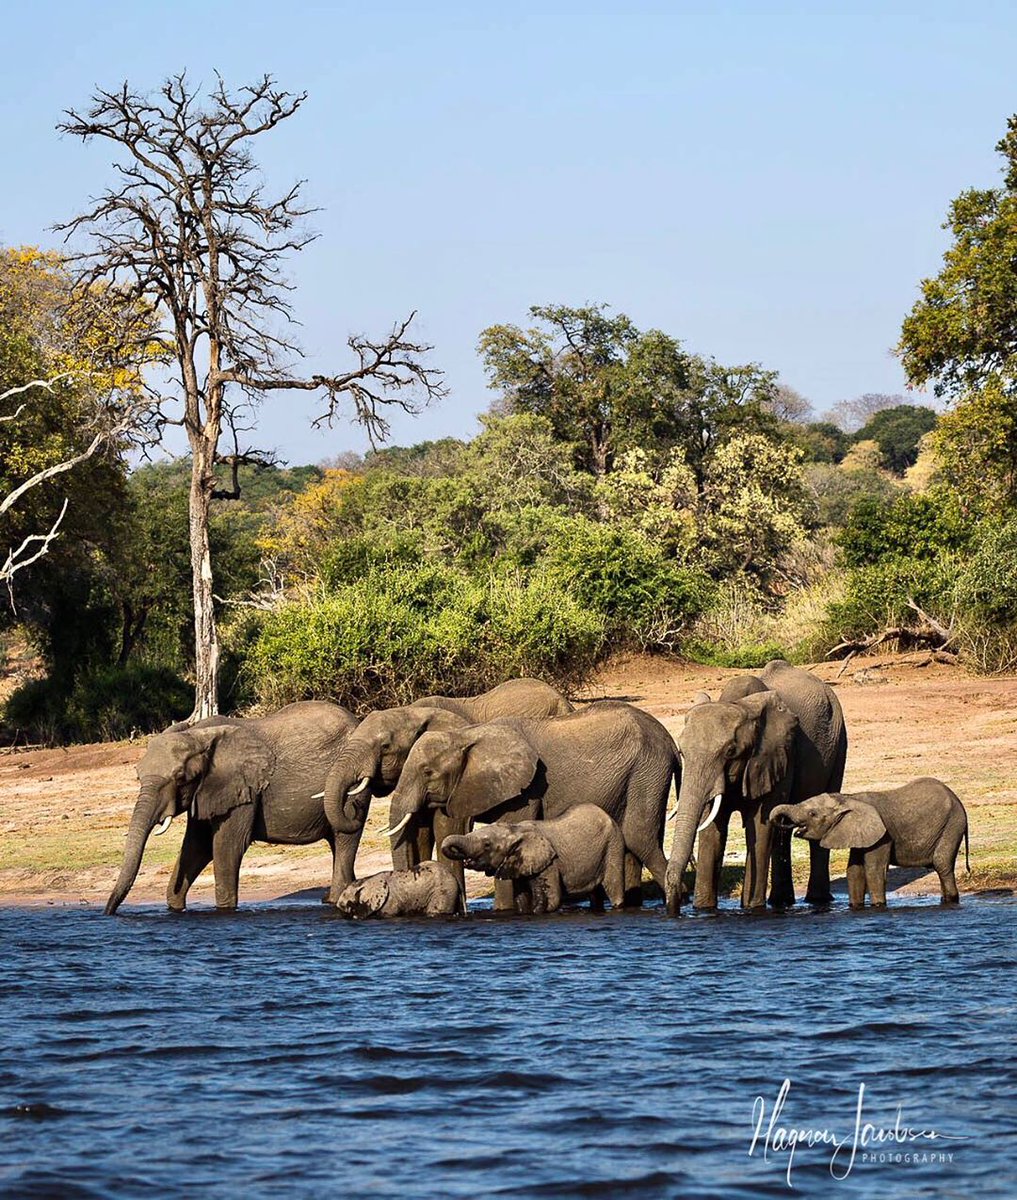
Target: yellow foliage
x=308 y=523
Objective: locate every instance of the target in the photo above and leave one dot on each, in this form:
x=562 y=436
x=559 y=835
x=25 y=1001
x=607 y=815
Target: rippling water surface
x=282 y=1051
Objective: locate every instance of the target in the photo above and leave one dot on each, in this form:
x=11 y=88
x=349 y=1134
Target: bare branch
x=18 y=559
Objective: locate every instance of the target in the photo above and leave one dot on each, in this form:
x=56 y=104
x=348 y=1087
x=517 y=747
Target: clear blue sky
x=765 y=181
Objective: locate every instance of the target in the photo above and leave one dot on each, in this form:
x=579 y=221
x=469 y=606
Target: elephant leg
x=782 y=888
x=445 y=826
x=614 y=877
x=504 y=895
x=856 y=878
x=195 y=855
x=344 y=856
x=877 y=864
x=757 y=859
x=944 y=860
x=230 y=838
x=818 y=891
x=633 y=870
x=710 y=860
x=545 y=892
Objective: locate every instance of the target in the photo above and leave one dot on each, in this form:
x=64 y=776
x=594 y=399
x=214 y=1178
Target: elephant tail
x=967 y=857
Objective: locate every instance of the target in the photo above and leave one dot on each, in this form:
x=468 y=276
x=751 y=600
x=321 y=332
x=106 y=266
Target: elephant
x=513 y=698
x=609 y=754
x=579 y=852
x=371 y=759
x=773 y=738
x=239 y=780
x=426 y=890
x=918 y=825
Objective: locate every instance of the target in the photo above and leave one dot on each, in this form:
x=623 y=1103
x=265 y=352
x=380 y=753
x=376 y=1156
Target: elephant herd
x=554 y=802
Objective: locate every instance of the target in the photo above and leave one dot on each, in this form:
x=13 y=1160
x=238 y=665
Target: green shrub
x=397 y=634
x=105 y=704
x=747 y=656
x=646 y=598
x=876 y=597
x=987 y=587
x=908 y=526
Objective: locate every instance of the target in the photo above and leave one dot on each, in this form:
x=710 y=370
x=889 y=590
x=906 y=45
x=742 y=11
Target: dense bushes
x=402 y=632
x=106 y=704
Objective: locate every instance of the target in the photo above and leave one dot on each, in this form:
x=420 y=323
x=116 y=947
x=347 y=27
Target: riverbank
x=64 y=812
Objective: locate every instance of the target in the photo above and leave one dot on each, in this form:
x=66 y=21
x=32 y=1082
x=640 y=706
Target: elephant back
x=821 y=746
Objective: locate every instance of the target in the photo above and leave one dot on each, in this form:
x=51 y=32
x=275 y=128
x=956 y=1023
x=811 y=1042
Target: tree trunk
x=206 y=640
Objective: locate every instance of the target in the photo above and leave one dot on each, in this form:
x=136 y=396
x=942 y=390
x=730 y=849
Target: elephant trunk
x=456 y=847
x=790 y=811
x=697 y=802
x=348 y=787
x=147 y=812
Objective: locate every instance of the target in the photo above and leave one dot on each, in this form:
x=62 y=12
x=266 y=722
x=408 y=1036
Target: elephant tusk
x=193 y=810
x=671 y=815
x=163 y=825
x=318 y=796
x=396 y=828
x=360 y=786
x=713 y=812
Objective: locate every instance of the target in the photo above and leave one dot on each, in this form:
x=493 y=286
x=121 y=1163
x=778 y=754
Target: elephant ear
x=238 y=770
x=856 y=827
x=498 y=764
x=777 y=727
x=531 y=854
x=373 y=896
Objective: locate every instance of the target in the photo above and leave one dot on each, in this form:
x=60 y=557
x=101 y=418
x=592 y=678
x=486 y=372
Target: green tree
x=606 y=387
x=961 y=337
x=897 y=431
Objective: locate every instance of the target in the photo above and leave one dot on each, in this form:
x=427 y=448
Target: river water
x=282 y=1051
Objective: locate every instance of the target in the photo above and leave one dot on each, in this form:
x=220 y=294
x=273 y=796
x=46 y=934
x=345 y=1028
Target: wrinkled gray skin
x=773 y=738
x=239 y=781
x=578 y=853
x=426 y=890
x=920 y=824
x=609 y=754
x=376 y=752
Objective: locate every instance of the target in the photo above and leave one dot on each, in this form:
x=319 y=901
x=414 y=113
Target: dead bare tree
x=190 y=231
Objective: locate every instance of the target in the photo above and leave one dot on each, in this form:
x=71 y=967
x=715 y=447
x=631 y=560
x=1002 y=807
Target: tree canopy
x=961 y=337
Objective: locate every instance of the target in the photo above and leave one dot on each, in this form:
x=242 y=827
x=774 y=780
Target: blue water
x=281 y=1051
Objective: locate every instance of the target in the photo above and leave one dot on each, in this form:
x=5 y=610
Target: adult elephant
x=773 y=738
x=238 y=781
x=369 y=763
x=513 y=698
x=610 y=754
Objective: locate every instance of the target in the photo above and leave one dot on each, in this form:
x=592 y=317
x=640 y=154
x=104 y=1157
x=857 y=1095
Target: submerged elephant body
x=770 y=738
x=372 y=758
x=575 y=854
x=426 y=890
x=238 y=781
x=921 y=824
x=612 y=755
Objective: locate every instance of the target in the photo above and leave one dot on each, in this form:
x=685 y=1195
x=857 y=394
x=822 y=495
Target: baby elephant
x=918 y=825
x=428 y=890
x=578 y=852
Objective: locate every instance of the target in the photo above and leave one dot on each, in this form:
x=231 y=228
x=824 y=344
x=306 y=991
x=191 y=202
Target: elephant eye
x=731 y=751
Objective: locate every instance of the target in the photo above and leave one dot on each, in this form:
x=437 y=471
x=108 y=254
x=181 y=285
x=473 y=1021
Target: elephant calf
x=427 y=890
x=920 y=824
x=576 y=853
